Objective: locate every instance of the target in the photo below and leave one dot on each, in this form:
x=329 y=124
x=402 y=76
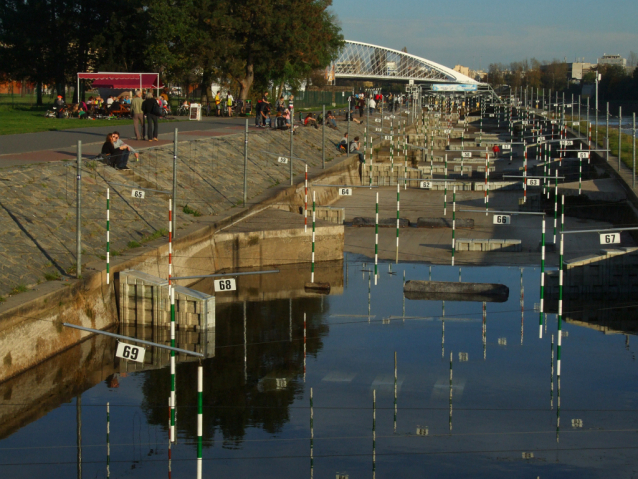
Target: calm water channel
x=505 y=415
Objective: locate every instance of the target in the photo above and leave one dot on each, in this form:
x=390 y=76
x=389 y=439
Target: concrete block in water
x=462 y=245
x=444 y=223
x=455 y=291
x=383 y=222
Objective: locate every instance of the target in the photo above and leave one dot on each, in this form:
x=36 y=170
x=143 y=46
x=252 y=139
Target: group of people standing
x=145 y=112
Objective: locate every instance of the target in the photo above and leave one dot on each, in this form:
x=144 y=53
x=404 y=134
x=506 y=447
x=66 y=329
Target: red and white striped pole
x=305 y=208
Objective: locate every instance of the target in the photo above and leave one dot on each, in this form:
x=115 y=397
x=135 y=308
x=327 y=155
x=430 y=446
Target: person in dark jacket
x=151 y=110
x=118 y=157
x=60 y=105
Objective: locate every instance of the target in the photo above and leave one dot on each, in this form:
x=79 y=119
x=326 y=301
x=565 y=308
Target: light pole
x=596 y=121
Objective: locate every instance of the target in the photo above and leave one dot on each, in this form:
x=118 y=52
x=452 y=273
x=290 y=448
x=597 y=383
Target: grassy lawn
x=31 y=121
x=627 y=149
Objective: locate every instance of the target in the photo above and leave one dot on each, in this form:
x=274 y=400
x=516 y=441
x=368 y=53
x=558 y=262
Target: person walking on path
x=118 y=157
x=218 y=101
x=151 y=109
x=138 y=115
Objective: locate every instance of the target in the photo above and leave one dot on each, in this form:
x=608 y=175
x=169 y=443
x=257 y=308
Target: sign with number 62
x=426 y=185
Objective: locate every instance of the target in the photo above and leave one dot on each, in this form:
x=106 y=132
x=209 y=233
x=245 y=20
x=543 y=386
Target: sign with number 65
x=139 y=194
x=225 y=285
x=130 y=352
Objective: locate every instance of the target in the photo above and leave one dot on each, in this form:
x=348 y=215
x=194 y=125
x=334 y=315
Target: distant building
x=462 y=70
x=477 y=75
x=575 y=71
x=612 y=60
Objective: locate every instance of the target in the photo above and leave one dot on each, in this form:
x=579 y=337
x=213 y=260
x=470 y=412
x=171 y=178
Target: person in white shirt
x=372 y=104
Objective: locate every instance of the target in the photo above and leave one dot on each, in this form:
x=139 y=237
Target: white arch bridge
x=363 y=61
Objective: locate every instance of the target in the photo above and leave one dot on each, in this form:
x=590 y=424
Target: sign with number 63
x=533 y=182
x=610 y=238
x=130 y=352
x=225 y=285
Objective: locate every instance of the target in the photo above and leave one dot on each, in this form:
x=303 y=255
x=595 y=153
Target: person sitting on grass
x=118 y=143
x=355 y=147
x=330 y=118
x=117 y=157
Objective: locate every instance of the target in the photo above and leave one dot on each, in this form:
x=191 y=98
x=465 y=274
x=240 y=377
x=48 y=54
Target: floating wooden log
x=455 y=291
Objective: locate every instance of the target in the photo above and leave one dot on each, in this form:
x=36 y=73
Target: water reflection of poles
x=108 y=441
x=368 y=298
x=170 y=452
x=304 y=347
x=312 y=437
x=398 y=193
x=395 y=392
x=522 y=306
x=245 y=348
x=442 y=338
x=374 y=433
x=376 y=240
x=78 y=423
x=542 y=294
x=200 y=414
x=289 y=319
x=312 y=270
x=403 y=292
x=484 y=329
x=450 y=419
x=551 y=386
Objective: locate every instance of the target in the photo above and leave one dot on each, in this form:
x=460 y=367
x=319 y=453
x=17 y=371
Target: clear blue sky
x=477 y=33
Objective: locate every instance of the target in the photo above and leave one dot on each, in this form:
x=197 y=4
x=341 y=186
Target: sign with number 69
x=225 y=285
x=610 y=238
x=130 y=352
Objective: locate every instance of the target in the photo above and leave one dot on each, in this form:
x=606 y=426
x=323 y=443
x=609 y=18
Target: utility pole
x=78 y=215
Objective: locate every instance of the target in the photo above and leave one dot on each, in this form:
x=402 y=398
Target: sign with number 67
x=225 y=285
x=130 y=352
x=610 y=238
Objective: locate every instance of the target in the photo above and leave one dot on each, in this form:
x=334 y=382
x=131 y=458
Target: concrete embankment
x=31 y=323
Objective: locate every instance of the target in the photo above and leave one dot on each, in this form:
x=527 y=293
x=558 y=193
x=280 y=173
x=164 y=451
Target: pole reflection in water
x=403 y=293
x=78 y=423
x=304 y=347
x=484 y=330
x=312 y=437
x=374 y=433
x=450 y=419
x=245 y=348
x=395 y=392
x=522 y=306
x=369 y=285
x=170 y=452
x=551 y=379
x=108 y=441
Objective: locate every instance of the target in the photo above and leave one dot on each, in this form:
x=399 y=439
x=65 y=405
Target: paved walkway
x=61 y=145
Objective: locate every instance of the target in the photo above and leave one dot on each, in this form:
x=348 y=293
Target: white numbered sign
x=392 y=116
x=553 y=122
x=447 y=131
x=567 y=142
x=437 y=115
x=378 y=120
x=502 y=219
x=506 y=147
x=533 y=182
x=524 y=122
x=491 y=115
x=386 y=117
x=137 y=194
x=574 y=123
x=282 y=159
x=130 y=352
x=407 y=112
x=466 y=154
x=583 y=154
x=378 y=129
x=225 y=285
x=345 y=191
x=610 y=238
x=387 y=137
x=541 y=138
x=426 y=184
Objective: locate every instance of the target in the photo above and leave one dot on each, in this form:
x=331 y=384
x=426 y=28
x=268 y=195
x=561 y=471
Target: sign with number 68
x=225 y=285
x=610 y=238
x=130 y=352
x=502 y=219
x=345 y=191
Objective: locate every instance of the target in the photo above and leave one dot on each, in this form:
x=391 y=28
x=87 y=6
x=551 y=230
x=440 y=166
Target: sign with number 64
x=225 y=285
x=610 y=238
x=130 y=352
x=345 y=191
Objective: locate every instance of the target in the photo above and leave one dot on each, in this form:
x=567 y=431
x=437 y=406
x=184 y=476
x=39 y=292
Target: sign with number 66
x=345 y=191
x=502 y=219
x=610 y=238
x=130 y=352
x=225 y=285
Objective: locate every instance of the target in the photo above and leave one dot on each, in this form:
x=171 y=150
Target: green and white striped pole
x=555 y=205
x=580 y=172
x=405 y=161
x=312 y=436
x=454 y=224
x=365 y=148
x=376 y=240
x=560 y=306
x=200 y=414
x=108 y=441
x=392 y=146
x=371 y=160
x=487 y=183
x=542 y=295
x=398 y=203
x=445 y=190
x=395 y=392
x=108 y=235
x=171 y=292
x=312 y=267
x=450 y=419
